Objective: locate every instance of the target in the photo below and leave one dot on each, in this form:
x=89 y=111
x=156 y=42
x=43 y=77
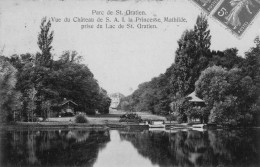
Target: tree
x=227 y=59
x=192 y=56
x=10 y=98
x=44 y=83
x=251 y=68
x=45 y=38
x=181 y=107
x=125 y=105
x=251 y=65
x=103 y=102
x=73 y=80
x=229 y=95
x=43 y=69
x=30 y=105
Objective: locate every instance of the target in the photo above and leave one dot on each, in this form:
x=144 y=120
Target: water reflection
x=51 y=148
x=193 y=148
x=129 y=148
x=121 y=153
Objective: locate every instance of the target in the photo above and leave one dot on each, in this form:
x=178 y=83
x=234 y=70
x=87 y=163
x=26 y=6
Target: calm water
x=114 y=148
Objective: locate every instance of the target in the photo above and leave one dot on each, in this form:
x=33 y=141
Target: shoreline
x=68 y=125
x=91 y=126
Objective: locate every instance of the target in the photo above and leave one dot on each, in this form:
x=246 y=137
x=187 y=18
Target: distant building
x=67 y=107
x=196 y=103
x=115 y=99
x=193 y=100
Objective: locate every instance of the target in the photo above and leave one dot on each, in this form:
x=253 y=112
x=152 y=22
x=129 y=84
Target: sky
x=120 y=59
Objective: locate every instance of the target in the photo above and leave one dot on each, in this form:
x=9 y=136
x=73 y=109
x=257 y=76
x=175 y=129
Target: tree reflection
x=52 y=148
x=194 y=148
x=179 y=148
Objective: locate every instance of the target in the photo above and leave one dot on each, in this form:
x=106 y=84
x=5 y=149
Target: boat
x=199 y=129
x=204 y=127
x=155 y=123
x=157 y=129
x=201 y=126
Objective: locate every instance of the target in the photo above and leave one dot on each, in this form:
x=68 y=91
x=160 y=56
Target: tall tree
x=192 y=56
x=43 y=68
x=45 y=38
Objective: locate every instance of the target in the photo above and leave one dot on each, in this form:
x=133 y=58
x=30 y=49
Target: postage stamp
x=207 y=5
x=237 y=15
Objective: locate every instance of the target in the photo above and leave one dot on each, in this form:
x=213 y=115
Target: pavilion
x=67 y=107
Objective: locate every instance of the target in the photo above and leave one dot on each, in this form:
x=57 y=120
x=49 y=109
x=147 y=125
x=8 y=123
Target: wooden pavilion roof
x=194 y=98
x=65 y=101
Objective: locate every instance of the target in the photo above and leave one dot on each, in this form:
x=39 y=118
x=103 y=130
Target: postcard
x=129 y=83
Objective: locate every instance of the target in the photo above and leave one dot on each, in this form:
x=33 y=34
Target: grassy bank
x=99 y=121
x=68 y=125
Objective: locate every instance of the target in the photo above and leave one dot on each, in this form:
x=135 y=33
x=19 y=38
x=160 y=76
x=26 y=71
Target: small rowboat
x=155 y=123
x=205 y=126
x=201 y=126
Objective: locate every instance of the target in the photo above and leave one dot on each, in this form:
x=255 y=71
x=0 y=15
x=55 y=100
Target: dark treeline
x=36 y=84
x=228 y=84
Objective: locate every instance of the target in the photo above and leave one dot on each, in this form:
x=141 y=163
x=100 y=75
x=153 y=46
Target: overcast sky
x=119 y=59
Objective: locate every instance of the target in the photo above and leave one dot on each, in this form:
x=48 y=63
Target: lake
x=116 y=148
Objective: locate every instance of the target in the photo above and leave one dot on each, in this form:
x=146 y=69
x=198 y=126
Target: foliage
x=171 y=117
x=229 y=84
x=75 y=81
x=114 y=95
x=191 y=58
x=44 y=82
x=10 y=97
x=68 y=78
x=45 y=38
x=181 y=106
x=31 y=103
x=81 y=118
x=130 y=117
x=229 y=95
x=103 y=102
x=125 y=105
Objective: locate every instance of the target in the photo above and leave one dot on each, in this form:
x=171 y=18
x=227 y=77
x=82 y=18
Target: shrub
x=81 y=118
x=171 y=117
x=90 y=111
x=132 y=117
